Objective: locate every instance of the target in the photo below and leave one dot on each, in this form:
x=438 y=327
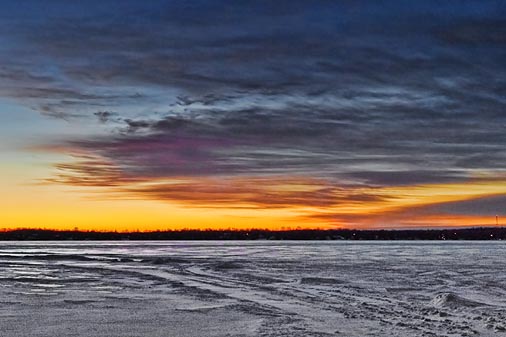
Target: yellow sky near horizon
x=30 y=202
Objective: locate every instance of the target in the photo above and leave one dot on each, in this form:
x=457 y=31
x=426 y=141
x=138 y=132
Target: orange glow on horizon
x=110 y=201
x=269 y=202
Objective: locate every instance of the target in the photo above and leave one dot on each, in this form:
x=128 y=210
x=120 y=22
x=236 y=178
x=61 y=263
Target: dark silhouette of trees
x=485 y=233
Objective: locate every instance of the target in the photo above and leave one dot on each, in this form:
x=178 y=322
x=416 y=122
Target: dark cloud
x=407 y=177
x=224 y=192
x=488 y=206
x=352 y=92
x=104 y=116
x=134 y=125
x=356 y=147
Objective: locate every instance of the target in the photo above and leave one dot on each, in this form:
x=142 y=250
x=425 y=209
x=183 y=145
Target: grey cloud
x=133 y=125
x=104 y=116
x=362 y=93
x=490 y=206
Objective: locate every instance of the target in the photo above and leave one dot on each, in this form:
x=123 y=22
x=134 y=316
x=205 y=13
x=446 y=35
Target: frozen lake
x=253 y=288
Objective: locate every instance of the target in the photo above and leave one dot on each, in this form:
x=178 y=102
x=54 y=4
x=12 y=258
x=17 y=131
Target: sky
x=146 y=115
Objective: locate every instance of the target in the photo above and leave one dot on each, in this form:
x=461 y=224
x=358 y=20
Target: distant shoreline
x=482 y=233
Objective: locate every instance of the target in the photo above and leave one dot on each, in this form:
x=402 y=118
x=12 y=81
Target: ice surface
x=254 y=288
